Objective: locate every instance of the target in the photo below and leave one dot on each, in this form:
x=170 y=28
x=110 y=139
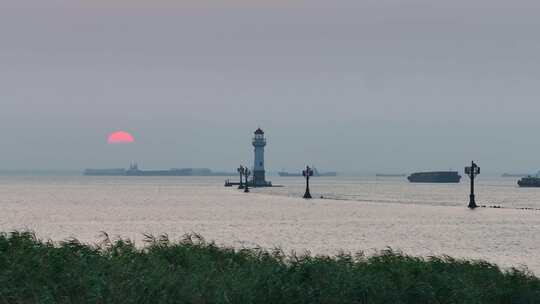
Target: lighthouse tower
x=259 y=142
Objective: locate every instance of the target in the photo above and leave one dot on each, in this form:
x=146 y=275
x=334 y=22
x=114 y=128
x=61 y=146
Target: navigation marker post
x=472 y=172
x=307 y=173
x=247 y=173
x=240 y=170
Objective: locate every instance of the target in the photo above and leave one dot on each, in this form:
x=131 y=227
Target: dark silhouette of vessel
x=105 y=172
x=435 y=177
x=315 y=173
x=135 y=171
x=529 y=181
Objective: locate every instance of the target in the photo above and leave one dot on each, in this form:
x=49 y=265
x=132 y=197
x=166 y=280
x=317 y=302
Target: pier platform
x=228 y=183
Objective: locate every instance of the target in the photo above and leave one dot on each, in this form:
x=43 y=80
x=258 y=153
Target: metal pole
x=241 y=171
x=246 y=174
x=307 y=195
x=472 y=201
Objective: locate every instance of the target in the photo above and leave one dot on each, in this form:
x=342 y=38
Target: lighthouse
x=259 y=142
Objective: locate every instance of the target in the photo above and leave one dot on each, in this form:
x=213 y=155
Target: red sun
x=120 y=137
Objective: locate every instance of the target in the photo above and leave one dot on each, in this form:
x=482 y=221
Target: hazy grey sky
x=379 y=85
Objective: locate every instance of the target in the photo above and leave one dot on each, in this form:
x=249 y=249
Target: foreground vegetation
x=195 y=271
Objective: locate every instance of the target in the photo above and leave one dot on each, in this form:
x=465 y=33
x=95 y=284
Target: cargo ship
x=529 y=181
x=435 y=177
x=105 y=172
x=135 y=171
x=315 y=173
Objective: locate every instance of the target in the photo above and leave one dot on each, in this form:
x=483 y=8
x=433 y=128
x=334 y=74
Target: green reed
x=195 y=271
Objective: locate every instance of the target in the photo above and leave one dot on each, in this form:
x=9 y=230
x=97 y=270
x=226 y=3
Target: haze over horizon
x=364 y=86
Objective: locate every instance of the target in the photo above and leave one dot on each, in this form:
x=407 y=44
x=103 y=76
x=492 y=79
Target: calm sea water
x=356 y=214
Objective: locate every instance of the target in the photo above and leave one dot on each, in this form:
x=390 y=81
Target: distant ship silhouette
x=315 y=173
x=135 y=171
x=435 y=177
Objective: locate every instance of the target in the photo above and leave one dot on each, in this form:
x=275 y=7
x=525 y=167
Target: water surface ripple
x=358 y=214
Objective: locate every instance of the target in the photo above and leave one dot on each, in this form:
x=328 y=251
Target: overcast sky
x=347 y=85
